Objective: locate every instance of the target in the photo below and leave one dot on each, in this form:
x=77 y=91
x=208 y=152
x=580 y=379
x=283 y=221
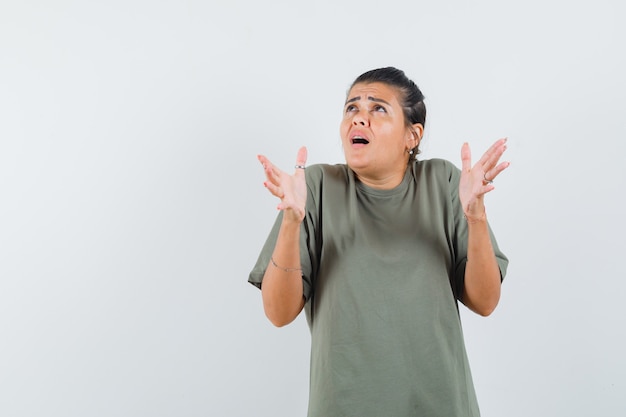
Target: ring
x=485 y=180
x=300 y=167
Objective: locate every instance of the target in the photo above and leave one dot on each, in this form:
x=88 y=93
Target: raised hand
x=476 y=181
x=290 y=189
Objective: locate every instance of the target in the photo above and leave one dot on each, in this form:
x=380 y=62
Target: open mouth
x=359 y=140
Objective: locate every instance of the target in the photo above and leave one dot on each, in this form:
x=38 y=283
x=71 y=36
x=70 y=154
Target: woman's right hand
x=290 y=189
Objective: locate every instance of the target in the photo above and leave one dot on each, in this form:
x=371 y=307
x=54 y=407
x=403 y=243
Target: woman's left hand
x=476 y=181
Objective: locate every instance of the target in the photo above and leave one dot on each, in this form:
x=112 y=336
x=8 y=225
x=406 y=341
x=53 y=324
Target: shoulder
x=320 y=173
x=326 y=180
x=440 y=177
x=438 y=168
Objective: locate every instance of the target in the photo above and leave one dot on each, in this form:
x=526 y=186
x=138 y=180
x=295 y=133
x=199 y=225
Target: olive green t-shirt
x=382 y=273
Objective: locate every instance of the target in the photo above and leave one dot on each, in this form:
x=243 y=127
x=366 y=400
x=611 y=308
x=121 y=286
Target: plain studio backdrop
x=132 y=207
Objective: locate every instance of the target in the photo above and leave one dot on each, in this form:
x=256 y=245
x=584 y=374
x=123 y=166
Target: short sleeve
x=460 y=233
x=308 y=239
x=258 y=271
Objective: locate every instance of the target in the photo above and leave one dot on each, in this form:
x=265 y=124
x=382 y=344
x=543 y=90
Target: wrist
x=472 y=219
x=292 y=216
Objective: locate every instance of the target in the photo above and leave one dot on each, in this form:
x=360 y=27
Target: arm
x=482 y=274
x=282 y=289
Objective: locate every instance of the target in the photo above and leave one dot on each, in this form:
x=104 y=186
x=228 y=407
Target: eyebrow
x=374 y=99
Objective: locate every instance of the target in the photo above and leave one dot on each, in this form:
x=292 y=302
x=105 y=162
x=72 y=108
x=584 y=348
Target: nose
x=360 y=119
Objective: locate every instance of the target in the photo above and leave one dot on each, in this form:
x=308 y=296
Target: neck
x=381 y=182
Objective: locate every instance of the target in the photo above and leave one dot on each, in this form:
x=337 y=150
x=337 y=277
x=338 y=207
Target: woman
x=378 y=251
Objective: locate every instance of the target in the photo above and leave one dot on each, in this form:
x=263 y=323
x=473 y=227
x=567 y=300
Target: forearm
x=482 y=273
x=282 y=287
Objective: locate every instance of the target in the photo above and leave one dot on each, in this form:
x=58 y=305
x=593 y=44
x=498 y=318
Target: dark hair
x=411 y=98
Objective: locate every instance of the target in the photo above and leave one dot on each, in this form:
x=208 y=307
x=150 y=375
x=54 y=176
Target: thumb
x=301 y=158
x=466 y=157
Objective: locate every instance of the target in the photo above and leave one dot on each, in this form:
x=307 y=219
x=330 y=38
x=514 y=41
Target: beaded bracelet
x=284 y=269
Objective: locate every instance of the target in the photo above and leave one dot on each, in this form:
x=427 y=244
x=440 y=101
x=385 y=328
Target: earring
x=410 y=151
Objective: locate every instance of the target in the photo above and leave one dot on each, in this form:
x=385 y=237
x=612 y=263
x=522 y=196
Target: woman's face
x=374 y=134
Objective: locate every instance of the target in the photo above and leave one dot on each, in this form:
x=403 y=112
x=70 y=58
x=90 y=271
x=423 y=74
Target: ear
x=415 y=135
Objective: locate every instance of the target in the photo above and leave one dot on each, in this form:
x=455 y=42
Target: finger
x=493 y=173
x=267 y=164
x=301 y=159
x=302 y=155
x=275 y=190
x=494 y=159
x=495 y=151
x=271 y=172
x=466 y=157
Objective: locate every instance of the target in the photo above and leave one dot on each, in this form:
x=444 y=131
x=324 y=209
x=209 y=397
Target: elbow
x=485 y=309
x=280 y=323
x=482 y=301
x=281 y=313
x=279 y=320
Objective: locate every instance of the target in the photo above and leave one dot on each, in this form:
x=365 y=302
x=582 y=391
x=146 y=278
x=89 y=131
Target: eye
x=350 y=107
x=379 y=108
